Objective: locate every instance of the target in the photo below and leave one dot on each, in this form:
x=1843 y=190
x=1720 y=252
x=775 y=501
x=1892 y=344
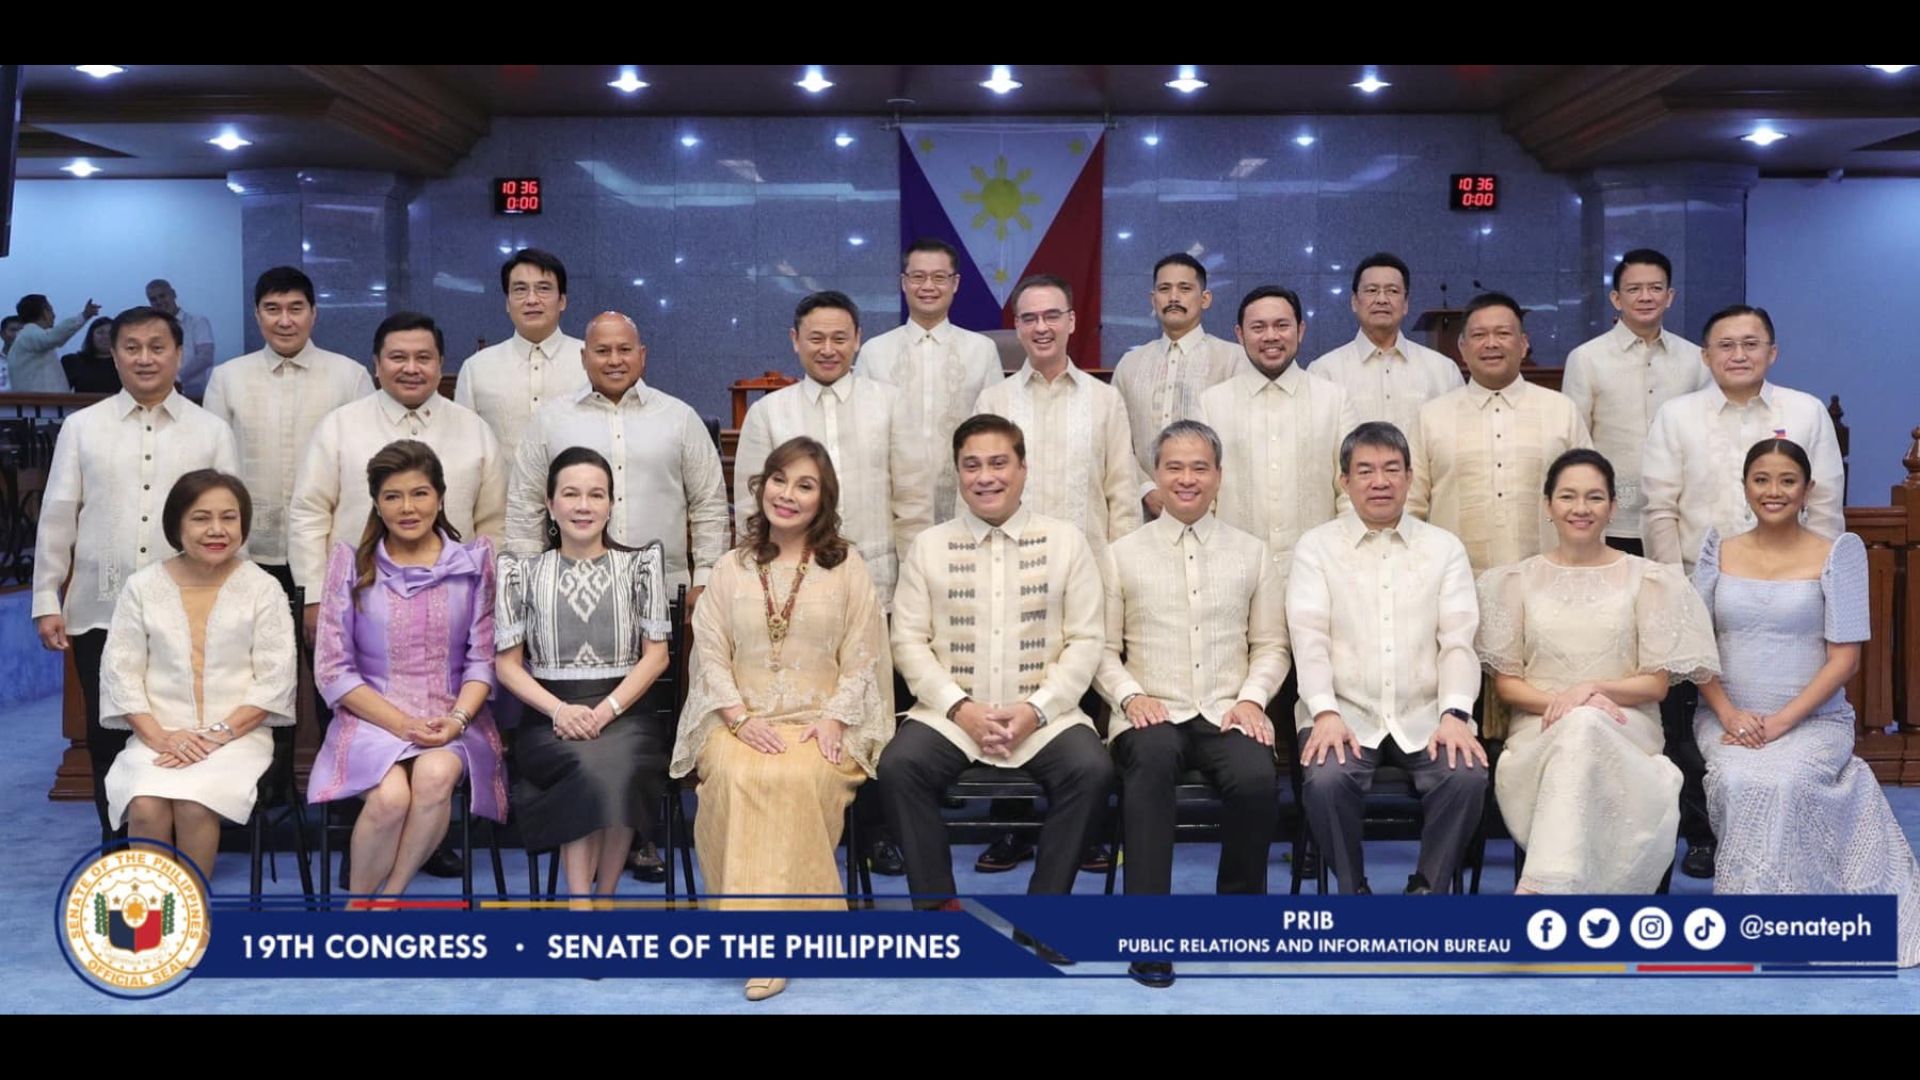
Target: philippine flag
x=1013 y=199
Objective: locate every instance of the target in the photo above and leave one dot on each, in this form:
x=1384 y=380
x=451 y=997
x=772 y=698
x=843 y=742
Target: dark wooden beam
x=1568 y=119
x=403 y=110
x=167 y=108
x=1794 y=105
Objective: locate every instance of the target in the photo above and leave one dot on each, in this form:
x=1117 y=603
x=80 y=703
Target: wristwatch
x=1465 y=717
x=1040 y=715
x=955 y=711
x=219 y=727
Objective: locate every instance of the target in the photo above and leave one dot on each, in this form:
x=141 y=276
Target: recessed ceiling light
x=629 y=81
x=1336 y=290
x=230 y=140
x=1124 y=234
x=1151 y=138
x=1372 y=83
x=1763 y=136
x=305 y=247
x=99 y=71
x=639 y=281
x=814 y=82
x=689 y=141
x=1309 y=249
x=240 y=189
x=856 y=241
x=80 y=167
x=1891 y=69
x=843 y=140
x=1486 y=230
x=1002 y=81
x=1188 y=81
x=506 y=249
x=1303 y=139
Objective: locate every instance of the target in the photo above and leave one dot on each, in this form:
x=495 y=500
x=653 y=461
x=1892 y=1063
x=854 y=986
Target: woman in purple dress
x=404 y=655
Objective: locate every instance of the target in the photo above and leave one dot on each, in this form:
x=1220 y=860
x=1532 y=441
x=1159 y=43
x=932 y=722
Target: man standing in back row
x=1162 y=381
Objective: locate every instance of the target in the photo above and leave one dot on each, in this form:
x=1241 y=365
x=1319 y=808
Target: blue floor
x=41 y=840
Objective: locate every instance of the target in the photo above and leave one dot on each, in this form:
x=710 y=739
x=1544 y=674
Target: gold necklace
x=778 y=623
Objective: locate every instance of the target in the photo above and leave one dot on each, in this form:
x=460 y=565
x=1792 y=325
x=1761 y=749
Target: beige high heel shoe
x=762 y=989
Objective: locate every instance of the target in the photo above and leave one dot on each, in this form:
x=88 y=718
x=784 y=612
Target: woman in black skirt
x=582 y=633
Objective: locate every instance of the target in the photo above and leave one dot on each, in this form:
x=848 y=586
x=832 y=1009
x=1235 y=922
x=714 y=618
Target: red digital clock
x=1473 y=191
x=517 y=195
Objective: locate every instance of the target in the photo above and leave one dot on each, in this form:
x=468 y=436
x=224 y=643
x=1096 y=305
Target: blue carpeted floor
x=41 y=840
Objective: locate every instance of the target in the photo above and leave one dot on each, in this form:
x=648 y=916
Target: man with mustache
x=1692 y=478
x=1162 y=381
x=114 y=463
x=1387 y=375
x=1620 y=379
x=1481 y=454
x=509 y=382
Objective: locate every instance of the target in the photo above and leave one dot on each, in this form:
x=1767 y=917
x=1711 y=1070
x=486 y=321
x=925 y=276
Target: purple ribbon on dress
x=456 y=560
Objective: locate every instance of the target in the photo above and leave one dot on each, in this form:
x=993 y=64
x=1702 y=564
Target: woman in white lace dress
x=199 y=663
x=1583 y=642
x=791 y=696
x=1795 y=810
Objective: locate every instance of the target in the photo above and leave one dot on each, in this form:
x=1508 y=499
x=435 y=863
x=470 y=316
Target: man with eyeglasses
x=1481 y=454
x=939 y=368
x=1162 y=381
x=507 y=383
x=1692 y=478
x=1080 y=464
x=1386 y=375
x=1621 y=378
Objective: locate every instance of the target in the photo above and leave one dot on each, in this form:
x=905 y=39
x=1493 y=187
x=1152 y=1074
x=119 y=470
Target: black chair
x=278 y=781
x=672 y=806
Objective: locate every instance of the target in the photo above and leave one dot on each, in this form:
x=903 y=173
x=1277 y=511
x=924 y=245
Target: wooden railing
x=1885 y=692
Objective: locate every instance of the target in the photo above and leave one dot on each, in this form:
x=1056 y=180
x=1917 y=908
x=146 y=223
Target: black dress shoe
x=1051 y=956
x=1362 y=889
x=1006 y=853
x=444 y=864
x=1097 y=859
x=1417 y=885
x=883 y=858
x=647 y=865
x=1157 y=974
x=1309 y=863
x=1699 y=861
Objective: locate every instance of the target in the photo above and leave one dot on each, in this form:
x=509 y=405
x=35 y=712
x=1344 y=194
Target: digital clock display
x=1474 y=191
x=517 y=195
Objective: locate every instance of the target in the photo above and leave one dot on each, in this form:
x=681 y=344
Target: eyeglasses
x=1391 y=292
x=546 y=290
x=1051 y=316
x=1729 y=347
x=921 y=277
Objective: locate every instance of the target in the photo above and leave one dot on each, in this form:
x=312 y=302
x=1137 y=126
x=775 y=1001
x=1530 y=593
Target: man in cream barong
x=997 y=629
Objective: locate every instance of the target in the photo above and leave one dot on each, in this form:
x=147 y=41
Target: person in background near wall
x=101 y=515
x=1619 y=380
x=91 y=370
x=197 y=353
x=509 y=382
x=1387 y=375
x=274 y=399
x=33 y=360
x=1162 y=380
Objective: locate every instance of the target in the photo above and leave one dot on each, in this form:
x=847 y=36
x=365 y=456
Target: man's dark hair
x=282 y=279
x=827 y=298
x=545 y=260
x=1388 y=259
x=1181 y=258
x=1641 y=257
x=408 y=320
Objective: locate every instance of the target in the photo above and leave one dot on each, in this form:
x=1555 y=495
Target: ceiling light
x=240 y=189
x=1002 y=81
x=81 y=168
x=1371 y=84
x=229 y=140
x=689 y=141
x=1151 y=139
x=629 y=81
x=1124 y=234
x=99 y=71
x=814 y=82
x=1891 y=69
x=843 y=140
x=1187 y=83
x=1763 y=136
x=1303 y=140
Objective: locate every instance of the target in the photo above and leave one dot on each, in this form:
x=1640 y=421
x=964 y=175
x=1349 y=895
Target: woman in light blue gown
x=1795 y=811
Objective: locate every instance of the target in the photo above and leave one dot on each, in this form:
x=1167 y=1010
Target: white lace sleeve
x=123 y=665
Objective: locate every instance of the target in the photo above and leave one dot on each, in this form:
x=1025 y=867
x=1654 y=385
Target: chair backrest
x=679 y=645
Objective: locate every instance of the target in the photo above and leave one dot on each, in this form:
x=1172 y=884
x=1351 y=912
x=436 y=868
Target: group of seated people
x=1011 y=618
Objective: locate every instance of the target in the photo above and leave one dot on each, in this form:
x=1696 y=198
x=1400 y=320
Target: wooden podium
x=1442 y=327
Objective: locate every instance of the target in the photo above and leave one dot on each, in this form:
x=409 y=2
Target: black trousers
x=1151 y=760
x=1676 y=719
x=103 y=744
x=1451 y=800
x=919 y=765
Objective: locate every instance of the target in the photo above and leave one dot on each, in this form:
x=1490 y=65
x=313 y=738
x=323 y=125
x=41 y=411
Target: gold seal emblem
x=134 y=922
